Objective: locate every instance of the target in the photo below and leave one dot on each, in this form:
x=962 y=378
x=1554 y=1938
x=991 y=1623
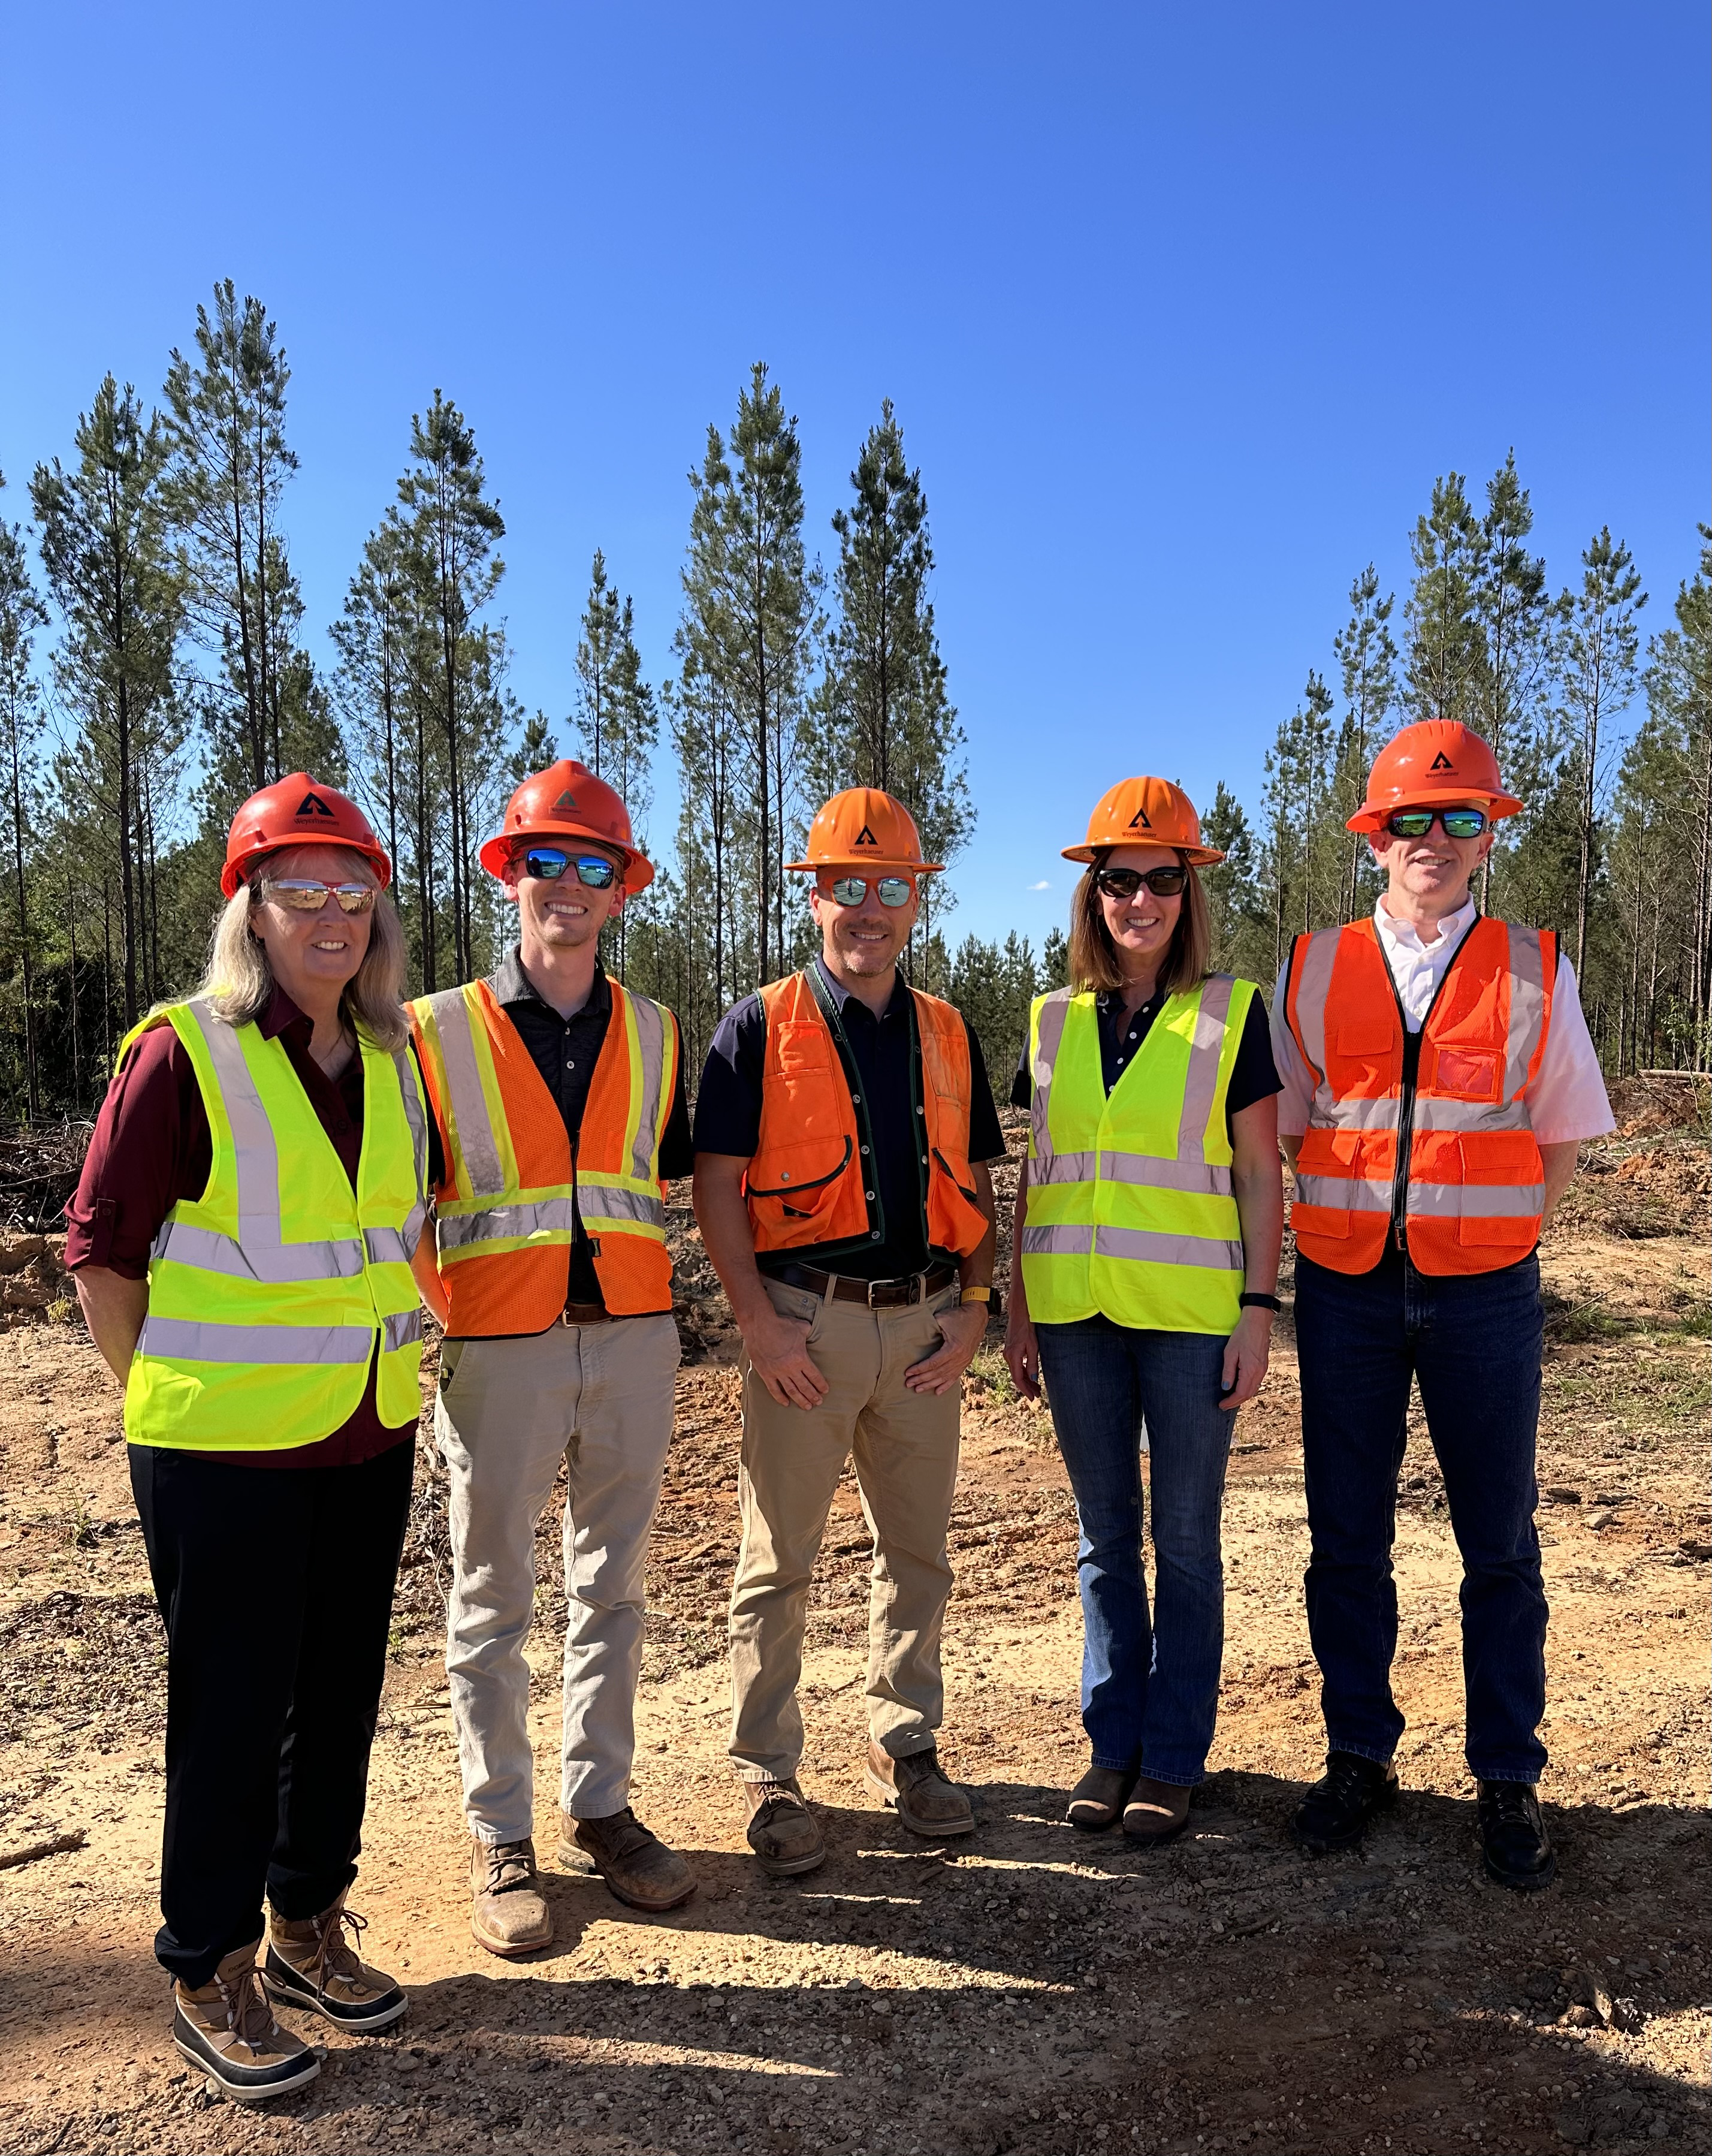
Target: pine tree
x=1366 y=651
x=1601 y=645
x=105 y=548
x=882 y=717
x=1516 y=616
x=1446 y=656
x=20 y=614
x=1234 y=901
x=229 y=465
x=747 y=630
x=454 y=529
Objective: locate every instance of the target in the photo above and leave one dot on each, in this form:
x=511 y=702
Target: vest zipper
x=858 y=1101
x=1411 y=1082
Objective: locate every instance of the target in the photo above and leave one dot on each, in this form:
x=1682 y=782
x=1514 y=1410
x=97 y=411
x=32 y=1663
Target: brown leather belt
x=878 y=1294
x=584 y=1313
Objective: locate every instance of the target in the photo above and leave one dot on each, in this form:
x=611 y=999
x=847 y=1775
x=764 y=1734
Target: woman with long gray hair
x=243 y=1239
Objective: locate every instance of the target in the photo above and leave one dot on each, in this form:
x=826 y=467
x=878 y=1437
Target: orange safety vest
x=514 y=1188
x=810 y=1181
x=1428 y=1130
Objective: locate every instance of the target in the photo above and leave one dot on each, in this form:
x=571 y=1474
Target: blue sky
x=1181 y=308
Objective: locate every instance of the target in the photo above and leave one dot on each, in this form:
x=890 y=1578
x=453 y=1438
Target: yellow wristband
x=976 y=1294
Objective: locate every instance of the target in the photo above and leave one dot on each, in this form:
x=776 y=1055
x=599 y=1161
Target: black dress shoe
x=1518 y=1850
x=1336 y=1812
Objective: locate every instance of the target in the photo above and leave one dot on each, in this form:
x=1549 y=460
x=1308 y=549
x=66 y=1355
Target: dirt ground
x=1032 y=1988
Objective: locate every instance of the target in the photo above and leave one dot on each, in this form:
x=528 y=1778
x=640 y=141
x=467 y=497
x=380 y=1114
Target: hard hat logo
x=565 y=800
x=313 y=805
x=864 y=837
x=1436 y=762
x=1139 y=822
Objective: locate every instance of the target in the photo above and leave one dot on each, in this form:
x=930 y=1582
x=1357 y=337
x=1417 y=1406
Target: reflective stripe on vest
x=1474 y=1185
x=259 y=1337
x=513 y=1193
x=1132 y=1210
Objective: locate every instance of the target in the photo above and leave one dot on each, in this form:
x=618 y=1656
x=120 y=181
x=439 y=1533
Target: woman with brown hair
x=1143 y=1276
x=243 y=1239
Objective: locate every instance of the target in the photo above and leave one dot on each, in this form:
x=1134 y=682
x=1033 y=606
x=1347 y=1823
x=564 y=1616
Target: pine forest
x=154 y=671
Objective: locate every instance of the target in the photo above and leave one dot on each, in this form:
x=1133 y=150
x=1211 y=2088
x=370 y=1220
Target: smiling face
x=861 y=941
x=562 y=913
x=312 y=955
x=1432 y=871
x=1141 y=926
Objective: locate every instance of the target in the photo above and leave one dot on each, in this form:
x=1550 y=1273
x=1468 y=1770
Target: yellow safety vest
x=270 y=1294
x=1131 y=1213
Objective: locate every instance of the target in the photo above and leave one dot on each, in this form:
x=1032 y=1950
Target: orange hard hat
x=1146 y=812
x=298 y=811
x=863 y=828
x=568 y=801
x=1434 y=761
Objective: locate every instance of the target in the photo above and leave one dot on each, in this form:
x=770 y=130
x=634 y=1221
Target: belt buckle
x=912 y=1283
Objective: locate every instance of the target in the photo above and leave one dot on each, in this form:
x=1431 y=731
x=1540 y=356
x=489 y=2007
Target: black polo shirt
x=728 y=1116
x=1253 y=1074
x=565 y=1051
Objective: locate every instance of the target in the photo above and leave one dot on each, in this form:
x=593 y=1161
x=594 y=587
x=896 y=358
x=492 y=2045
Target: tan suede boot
x=227 y=2028
x=509 y=1913
x=921 y=1793
x=632 y=1859
x=310 y=1964
x=782 y=1831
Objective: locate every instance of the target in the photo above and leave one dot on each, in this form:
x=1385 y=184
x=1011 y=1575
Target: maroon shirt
x=152 y=1148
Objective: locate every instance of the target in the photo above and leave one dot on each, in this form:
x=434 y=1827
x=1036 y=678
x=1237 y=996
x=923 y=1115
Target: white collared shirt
x=1567 y=1101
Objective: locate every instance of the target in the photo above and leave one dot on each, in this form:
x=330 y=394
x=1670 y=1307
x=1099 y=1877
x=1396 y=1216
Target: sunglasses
x=852 y=891
x=547 y=863
x=1124 y=883
x=1417 y=822
x=305 y=897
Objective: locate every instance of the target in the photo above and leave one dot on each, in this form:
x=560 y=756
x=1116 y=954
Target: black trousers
x=276 y=1588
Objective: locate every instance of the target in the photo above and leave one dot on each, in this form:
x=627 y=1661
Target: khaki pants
x=599 y=1397
x=905 y=1450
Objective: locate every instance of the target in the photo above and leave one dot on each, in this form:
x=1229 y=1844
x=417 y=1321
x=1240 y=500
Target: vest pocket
x=1473 y=1073
x=1502 y=1171
x=803 y=1178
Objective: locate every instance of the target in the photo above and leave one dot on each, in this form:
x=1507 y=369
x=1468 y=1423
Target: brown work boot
x=636 y=1864
x=1156 y=1812
x=227 y=2031
x=508 y=1914
x=919 y=1790
x=1097 y=1800
x=309 y=1963
x=782 y=1831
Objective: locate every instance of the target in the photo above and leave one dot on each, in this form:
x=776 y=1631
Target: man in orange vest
x=842 y=1130
x=559 y=1098
x=1439 y=1079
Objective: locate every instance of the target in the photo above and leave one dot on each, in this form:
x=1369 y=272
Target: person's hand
x=1246 y=1355
x=961 y=1329
x=777 y=1347
x=1023 y=1351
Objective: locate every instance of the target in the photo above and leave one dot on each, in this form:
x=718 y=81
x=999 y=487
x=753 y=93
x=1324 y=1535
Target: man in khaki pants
x=842 y=1130
x=558 y=1098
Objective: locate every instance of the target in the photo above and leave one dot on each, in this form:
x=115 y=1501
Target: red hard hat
x=568 y=801
x=863 y=828
x=298 y=811
x=1434 y=762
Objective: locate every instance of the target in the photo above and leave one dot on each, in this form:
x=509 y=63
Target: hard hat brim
x=1370 y=818
x=867 y=861
x=637 y=870
x=1194 y=857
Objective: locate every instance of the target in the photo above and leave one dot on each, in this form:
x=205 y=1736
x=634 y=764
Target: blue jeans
x=1473 y=1343
x=1150 y=1688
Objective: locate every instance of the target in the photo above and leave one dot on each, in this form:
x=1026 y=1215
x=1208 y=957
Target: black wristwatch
x=1259 y=1302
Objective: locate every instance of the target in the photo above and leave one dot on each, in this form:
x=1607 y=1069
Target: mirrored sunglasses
x=303 y=897
x=547 y=863
x=1417 y=822
x=1124 y=883
x=853 y=889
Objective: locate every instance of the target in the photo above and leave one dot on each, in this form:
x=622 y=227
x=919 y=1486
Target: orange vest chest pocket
x=1470 y=1072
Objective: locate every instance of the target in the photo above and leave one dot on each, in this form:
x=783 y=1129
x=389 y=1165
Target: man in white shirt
x=1439 y=1079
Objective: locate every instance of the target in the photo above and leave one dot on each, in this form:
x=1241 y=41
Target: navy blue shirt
x=728 y=1117
x=1253 y=1076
